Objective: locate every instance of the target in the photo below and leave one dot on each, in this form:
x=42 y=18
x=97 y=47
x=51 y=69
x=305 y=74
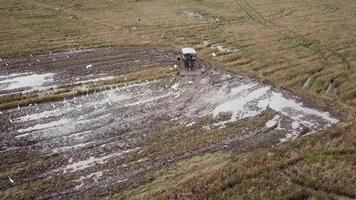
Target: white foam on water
x=22 y=135
x=251 y=99
x=33 y=81
x=83 y=164
x=189 y=13
x=77 y=135
x=237 y=90
x=44 y=126
x=288 y=136
x=68 y=125
x=279 y=103
x=190 y=124
x=95 y=176
x=222 y=95
x=73 y=147
x=175 y=86
x=237 y=104
x=274 y=121
x=148 y=100
x=295 y=125
x=13 y=75
x=91 y=120
x=44 y=114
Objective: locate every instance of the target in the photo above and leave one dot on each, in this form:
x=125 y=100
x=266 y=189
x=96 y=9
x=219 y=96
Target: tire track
x=302 y=181
x=321 y=51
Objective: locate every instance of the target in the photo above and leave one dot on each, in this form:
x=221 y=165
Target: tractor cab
x=187 y=61
x=187 y=58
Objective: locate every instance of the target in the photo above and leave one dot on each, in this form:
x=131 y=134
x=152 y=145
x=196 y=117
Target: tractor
x=188 y=62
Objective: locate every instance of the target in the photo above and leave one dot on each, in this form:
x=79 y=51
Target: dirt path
x=38 y=71
x=104 y=140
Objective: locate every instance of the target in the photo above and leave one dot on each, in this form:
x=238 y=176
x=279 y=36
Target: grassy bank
x=321 y=167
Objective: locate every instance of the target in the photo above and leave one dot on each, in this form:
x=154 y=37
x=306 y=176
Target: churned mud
x=104 y=141
x=36 y=72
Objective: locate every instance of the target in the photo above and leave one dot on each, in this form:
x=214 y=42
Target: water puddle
x=251 y=99
x=25 y=81
x=193 y=14
x=91 y=161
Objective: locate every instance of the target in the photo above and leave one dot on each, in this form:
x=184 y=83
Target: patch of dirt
x=79 y=66
x=98 y=140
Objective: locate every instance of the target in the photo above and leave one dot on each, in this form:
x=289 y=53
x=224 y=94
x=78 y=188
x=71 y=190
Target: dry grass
x=308 y=167
x=165 y=142
x=283 y=42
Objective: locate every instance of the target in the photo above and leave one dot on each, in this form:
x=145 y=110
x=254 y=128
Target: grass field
x=305 y=46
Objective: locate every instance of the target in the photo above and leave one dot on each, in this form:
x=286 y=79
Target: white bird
x=0 y=113
x=214 y=54
x=18 y=107
x=11 y=121
x=53 y=106
x=6 y=64
x=11 y=180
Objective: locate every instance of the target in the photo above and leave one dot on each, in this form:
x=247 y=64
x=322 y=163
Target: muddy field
x=103 y=142
x=36 y=72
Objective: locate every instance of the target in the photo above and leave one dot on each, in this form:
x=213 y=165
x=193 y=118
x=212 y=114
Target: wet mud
x=104 y=141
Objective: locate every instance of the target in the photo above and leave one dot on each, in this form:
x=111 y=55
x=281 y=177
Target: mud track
x=77 y=66
x=105 y=141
